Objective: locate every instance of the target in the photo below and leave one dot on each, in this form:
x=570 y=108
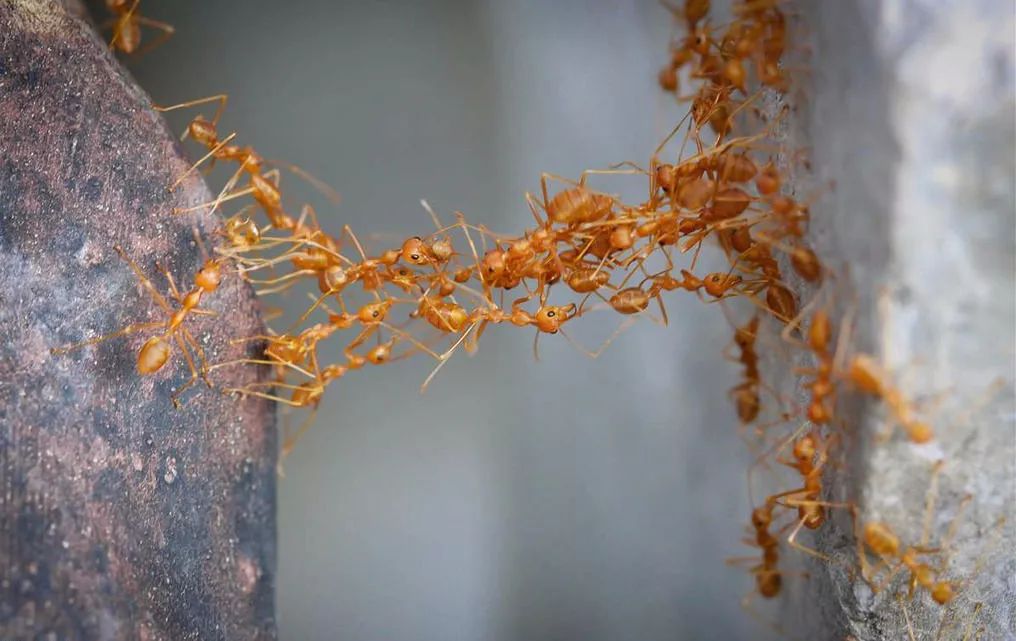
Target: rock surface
x=909 y=108
x=120 y=517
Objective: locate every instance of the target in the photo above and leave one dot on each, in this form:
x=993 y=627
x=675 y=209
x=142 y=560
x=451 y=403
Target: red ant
x=156 y=351
x=127 y=25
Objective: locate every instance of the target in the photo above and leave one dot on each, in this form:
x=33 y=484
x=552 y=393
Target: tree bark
x=120 y=517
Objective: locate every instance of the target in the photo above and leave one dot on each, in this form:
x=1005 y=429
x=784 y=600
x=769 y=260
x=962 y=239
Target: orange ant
x=127 y=25
x=883 y=542
x=155 y=352
x=768 y=577
x=864 y=373
x=745 y=394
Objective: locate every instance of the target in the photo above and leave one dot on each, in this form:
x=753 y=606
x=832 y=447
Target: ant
x=746 y=394
x=127 y=23
x=156 y=351
x=886 y=546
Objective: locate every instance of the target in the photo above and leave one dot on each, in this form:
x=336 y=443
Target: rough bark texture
x=120 y=517
x=909 y=107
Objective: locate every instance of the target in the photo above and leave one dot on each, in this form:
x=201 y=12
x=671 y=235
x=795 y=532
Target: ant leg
x=290 y=441
x=533 y=205
x=347 y=230
x=169 y=279
x=906 y=617
x=281 y=279
x=144 y=280
x=321 y=186
x=443 y=358
x=792 y=542
x=223 y=197
x=167 y=32
x=199 y=352
x=287 y=280
x=220 y=98
x=130 y=329
x=211 y=154
x=360 y=339
x=254 y=264
x=755 y=614
x=760 y=459
x=412 y=339
x=621 y=328
x=175 y=396
x=473 y=343
x=317 y=302
x=438 y=225
x=307 y=212
x=119 y=22
x=543 y=185
x=929 y=502
x=262 y=361
x=271 y=397
x=673 y=132
x=970 y=623
x=616 y=170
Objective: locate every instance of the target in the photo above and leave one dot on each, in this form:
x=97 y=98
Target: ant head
x=761 y=518
x=818 y=412
x=414 y=251
x=804 y=448
x=549 y=318
x=203 y=131
x=699 y=40
x=209 y=276
x=374 y=312
x=520 y=248
x=717 y=283
x=242 y=232
x=493 y=263
x=812 y=515
x=666 y=177
x=379 y=354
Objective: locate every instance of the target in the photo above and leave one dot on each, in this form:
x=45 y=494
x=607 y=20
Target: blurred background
x=563 y=499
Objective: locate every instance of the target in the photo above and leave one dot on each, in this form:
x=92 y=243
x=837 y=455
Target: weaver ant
x=127 y=23
x=156 y=351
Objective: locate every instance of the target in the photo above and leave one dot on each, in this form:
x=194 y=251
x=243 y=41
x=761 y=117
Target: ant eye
x=551 y=314
x=415 y=257
x=375 y=314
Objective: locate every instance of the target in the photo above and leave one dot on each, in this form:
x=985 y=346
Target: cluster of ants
x=587 y=250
